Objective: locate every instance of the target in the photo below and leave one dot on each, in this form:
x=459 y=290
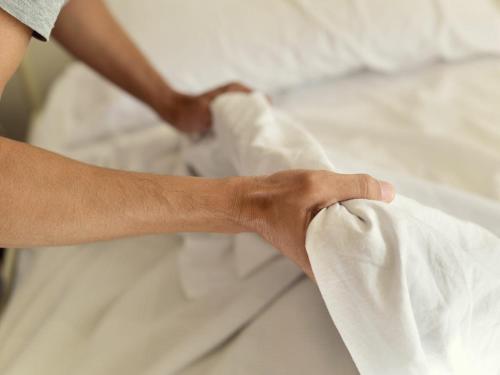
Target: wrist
x=164 y=101
x=194 y=204
x=228 y=205
x=252 y=200
x=235 y=194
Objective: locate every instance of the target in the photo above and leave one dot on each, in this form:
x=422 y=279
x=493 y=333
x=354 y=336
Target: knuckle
x=308 y=182
x=368 y=186
x=315 y=186
x=238 y=86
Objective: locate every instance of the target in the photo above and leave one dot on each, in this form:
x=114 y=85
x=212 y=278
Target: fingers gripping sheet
x=411 y=290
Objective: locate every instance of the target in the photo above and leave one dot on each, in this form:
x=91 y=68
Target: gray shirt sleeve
x=39 y=15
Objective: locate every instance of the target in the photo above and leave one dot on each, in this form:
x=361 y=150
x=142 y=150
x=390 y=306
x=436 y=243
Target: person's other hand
x=280 y=207
x=191 y=113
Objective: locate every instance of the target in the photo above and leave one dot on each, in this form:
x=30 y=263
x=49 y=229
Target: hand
x=191 y=114
x=280 y=207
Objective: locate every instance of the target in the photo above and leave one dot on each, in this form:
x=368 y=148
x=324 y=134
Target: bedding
x=201 y=44
x=412 y=290
x=127 y=307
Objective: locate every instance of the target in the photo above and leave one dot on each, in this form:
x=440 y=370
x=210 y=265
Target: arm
x=14 y=39
x=46 y=199
x=87 y=30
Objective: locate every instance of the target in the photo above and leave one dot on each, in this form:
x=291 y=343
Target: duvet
x=411 y=289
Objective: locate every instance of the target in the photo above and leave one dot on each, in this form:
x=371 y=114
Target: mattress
x=120 y=306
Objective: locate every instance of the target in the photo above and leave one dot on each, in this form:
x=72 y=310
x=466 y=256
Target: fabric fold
x=411 y=289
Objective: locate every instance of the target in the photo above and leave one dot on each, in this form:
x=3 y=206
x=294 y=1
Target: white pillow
x=276 y=44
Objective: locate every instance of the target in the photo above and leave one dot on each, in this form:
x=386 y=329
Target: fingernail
x=387 y=190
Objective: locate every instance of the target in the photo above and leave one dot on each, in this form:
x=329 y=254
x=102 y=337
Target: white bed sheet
x=411 y=289
x=73 y=306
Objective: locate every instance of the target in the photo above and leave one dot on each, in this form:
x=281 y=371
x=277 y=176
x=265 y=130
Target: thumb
x=363 y=186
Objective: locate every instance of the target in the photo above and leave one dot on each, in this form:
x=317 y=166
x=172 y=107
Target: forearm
x=47 y=199
x=87 y=30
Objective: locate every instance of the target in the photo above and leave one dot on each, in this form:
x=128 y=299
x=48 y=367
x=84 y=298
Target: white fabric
x=278 y=44
x=411 y=290
x=119 y=307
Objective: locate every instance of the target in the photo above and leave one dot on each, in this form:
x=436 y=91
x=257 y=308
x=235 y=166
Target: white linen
x=427 y=132
x=411 y=290
x=279 y=44
x=117 y=307
x=392 y=125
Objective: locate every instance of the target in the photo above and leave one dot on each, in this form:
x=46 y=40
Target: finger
x=309 y=272
x=237 y=87
x=230 y=87
x=363 y=186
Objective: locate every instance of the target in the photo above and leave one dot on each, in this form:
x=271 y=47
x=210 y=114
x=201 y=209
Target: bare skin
x=87 y=30
x=14 y=39
x=47 y=199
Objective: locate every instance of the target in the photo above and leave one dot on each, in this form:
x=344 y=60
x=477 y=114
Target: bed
x=404 y=114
